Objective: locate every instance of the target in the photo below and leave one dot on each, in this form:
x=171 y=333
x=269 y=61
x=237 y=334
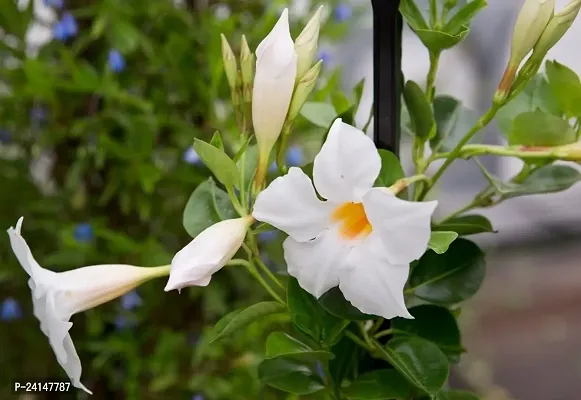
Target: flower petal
x=290 y=204
x=207 y=253
x=403 y=226
x=276 y=70
x=316 y=264
x=347 y=165
x=371 y=283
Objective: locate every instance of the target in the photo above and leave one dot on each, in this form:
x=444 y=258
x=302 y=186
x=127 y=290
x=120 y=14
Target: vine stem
x=252 y=269
x=431 y=78
x=267 y=271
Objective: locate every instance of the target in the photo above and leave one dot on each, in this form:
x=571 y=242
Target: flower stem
x=252 y=269
x=431 y=78
x=267 y=271
x=235 y=202
x=354 y=338
x=158 y=272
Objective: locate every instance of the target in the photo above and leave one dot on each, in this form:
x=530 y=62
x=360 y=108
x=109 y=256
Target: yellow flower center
x=352 y=220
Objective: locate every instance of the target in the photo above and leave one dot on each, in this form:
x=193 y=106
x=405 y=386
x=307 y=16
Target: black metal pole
x=387 y=30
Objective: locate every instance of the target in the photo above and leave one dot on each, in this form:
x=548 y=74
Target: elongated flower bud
x=247 y=70
x=556 y=29
x=306 y=43
x=303 y=90
x=230 y=68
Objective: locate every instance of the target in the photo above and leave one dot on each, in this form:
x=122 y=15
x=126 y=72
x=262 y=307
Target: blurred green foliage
x=93 y=153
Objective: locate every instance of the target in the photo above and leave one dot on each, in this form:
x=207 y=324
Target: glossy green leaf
x=433 y=323
x=537 y=128
x=419 y=361
x=548 y=179
x=566 y=87
x=379 y=385
x=440 y=241
x=466 y=225
x=319 y=114
x=537 y=95
x=289 y=376
x=420 y=111
x=453 y=121
x=207 y=205
x=250 y=164
x=216 y=141
x=464 y=16
x=239 y=319
x=438 y=41
x=218 y=162
x=412 y=14
x=280 y=344
x=450 y=277
x=335 y=303
x=391 y=169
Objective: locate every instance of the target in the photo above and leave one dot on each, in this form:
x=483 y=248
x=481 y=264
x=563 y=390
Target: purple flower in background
x=198 y=397
x=343 y=12
x=58 y=31
x=38 y=114
x=319 y=369
x=294 y=156
x=325 y=56
x=116 y=61
x=10 y=309
x=131 y=300
x=273 y=167
x=122 y=322
x=54 y=3
x=190 y=156
x=84 y=232
x=5 y=136
x=267 y=236
x=65 y=28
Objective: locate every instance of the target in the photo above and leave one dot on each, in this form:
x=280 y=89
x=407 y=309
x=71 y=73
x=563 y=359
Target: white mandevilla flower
x=56 y=296
x=274 y=81
x=195 y=264
x=361 y=238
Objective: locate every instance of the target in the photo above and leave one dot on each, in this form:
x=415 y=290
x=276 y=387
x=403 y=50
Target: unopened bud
x=247 y=69
x=230 y=66
x=530 y=25
x=306 y=44
x=303 y=90
x=555 y=30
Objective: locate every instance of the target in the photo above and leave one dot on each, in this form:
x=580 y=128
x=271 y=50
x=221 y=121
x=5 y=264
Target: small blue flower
x=54 y=3
x=343 y=12
x=190 y=156
x=10 y=310
x=122 y=322
x=59 y=31
x=273 y=167
x=84 y=232
x=267 y=236
x=319 y=369
x=116 y=61
x=325 y=56
x=131 y=301
x=294 y=156
x=5 y=136
x=69 y=24
x=198 y=397
x=38 y=114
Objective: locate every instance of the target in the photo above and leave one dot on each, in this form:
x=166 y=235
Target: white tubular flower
x=56 y=296
x=274 y=80
x=195 y=264
x=307 y=42
x=361 y=238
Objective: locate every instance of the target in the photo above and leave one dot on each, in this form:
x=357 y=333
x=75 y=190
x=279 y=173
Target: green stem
x=431 y=79
x=383 y=333
x=354 y=338
x=235 y=202
x=369 y=119
x=433 y=13
x=243 y=197
x=267 y=271
x=238 y=262
x=252 y=269
x=280 y=157
x=538 y=153
x=482 y=122
x=158 y=272
x=481 y=198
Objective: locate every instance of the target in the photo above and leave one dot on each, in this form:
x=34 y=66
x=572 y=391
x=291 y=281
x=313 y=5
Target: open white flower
x=56 y=296
x=274 y=81
x=195 y=264
x=361 y=238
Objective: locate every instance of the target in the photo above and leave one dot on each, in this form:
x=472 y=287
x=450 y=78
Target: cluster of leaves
x=111 y=142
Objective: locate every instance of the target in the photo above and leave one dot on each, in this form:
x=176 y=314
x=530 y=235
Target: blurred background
x=99 y=103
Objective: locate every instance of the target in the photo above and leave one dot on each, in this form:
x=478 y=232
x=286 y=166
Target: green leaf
x=441 y=240
x=123 y=36
x=335 y=303
x=319 y=114
x=242 y=150
x=456 y=395
x=340 y=102
x=379 y=385
x=419 y=361
x=536 y=95
x=239 y=319
x=464 y=16
x=433 y=323
x=289 y=376
x=279 y=344
x=566 y=87
x=218 y=162
x=412 y=14
x=537 y=128
x=308 y=315
x=391 y=169
x=453 y=121
x=420 y=111
x=548 y=179
x=466 y=225
x=250 y=165
x=438 y=41
x=217 y=142
x=450 y=277
x=207 y=205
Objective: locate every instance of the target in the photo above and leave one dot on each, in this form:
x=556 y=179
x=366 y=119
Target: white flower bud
x=306 y=43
